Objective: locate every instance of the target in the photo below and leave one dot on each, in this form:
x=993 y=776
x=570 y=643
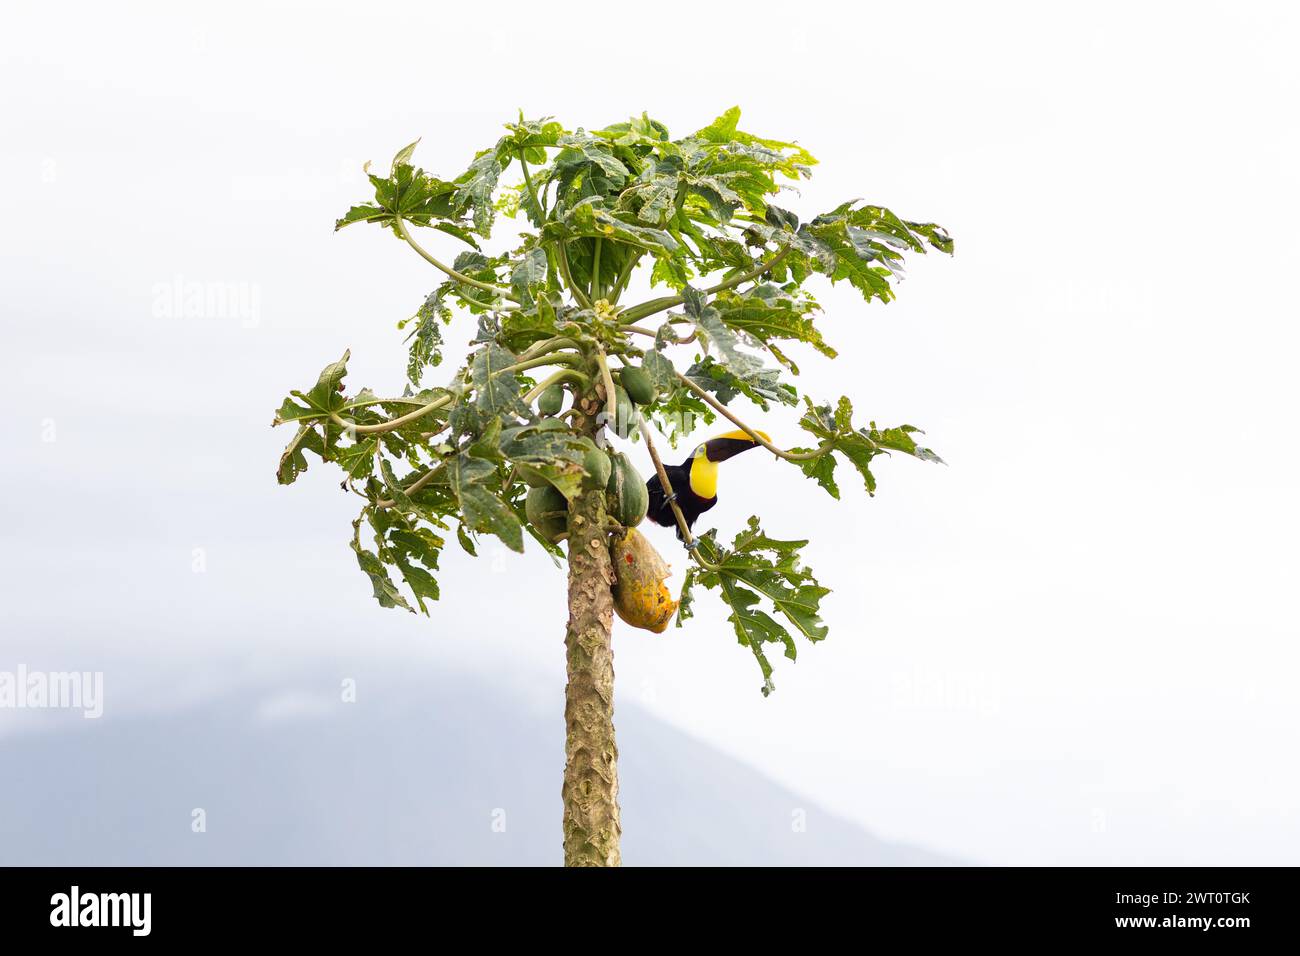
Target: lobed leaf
x=496 y=390
x=759 y=568
x=834 y=426
x=409 y=194
x=760 y=386
x=425 y=350
x=475 y=186
x=482 y=507
x=386 y=592
x=768 y=313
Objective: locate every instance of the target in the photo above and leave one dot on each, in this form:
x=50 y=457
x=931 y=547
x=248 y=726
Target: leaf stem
x=611 y=403
x=727 y=413
x=413 y=487
x=568 y=276
x=460 y=277
x=595 y=270
x=549 y=358
x=532 y=191
x=559 y=376
x=620 y=283
x=654 y=335
x=548 y=345
x=366 y=403
x=658 y=305
x=392 y=424
x=667 y=487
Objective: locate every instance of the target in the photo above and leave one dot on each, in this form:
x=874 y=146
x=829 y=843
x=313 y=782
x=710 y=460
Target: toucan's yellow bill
x=726 y=446
x=704 y=462
x=744 y=435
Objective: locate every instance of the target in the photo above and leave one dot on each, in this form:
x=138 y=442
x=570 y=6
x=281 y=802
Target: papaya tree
x=534 y=433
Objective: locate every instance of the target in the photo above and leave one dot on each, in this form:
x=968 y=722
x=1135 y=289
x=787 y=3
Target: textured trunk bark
x=590 y=791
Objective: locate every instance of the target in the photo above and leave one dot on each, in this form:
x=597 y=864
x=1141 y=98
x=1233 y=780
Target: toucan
x=695 y=481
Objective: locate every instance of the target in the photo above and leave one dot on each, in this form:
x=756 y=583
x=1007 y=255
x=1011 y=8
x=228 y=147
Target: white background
x=1074 y=644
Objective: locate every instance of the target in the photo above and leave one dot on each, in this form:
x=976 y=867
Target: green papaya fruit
x=597 y=466
x=551 y=400
x=626 y=498
x=548 y=512
x=638 y=386
x=625 y=412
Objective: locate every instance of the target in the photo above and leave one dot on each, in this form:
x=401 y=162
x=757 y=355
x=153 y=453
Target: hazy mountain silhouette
x=416 y=775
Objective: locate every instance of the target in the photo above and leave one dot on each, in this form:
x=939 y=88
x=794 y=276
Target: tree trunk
x=590 y=792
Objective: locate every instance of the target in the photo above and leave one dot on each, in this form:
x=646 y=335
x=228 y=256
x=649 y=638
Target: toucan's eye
x=699 y=452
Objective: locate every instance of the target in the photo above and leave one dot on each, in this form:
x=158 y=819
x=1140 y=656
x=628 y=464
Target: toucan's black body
x=692 y=505
x=694 y=481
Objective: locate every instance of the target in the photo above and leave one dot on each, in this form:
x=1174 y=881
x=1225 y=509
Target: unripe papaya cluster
x=634 y=388
x=626 y=498
x=640 y=591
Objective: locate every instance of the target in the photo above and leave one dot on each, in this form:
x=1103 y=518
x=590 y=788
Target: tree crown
x=736 y=269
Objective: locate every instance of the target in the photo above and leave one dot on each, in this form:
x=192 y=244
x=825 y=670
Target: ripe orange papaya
x=641 y=595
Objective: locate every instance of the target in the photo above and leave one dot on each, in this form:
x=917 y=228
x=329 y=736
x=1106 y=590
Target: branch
x=640 y=330
x=366 y=403
x=393 y=423
x=548 y=345
x=413 y=487
x=692 y=542
x=460 y=277
x=727 y=413
x=611 y=402
x=548 y=358
x=379 y=428
x=658 y=305
x=559 y=376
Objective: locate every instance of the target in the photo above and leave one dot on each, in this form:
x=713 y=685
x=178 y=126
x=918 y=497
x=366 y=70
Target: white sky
x=1077 y=643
